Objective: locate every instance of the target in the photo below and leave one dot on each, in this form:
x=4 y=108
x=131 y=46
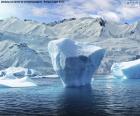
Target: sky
x=114 y=10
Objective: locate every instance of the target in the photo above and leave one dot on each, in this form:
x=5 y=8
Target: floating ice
x=74 y=62
x=23 y=82
x=16 y=77
x=129 y=69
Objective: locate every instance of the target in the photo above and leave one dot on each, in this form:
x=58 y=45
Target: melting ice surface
x=16 y=77
x=129 y=69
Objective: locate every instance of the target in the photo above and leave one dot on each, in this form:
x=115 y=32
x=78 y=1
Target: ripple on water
x=104 y=98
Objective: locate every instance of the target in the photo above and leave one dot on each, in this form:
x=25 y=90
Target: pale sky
x=108 y=9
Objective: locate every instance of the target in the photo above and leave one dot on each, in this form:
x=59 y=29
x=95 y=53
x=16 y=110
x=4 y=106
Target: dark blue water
x=106 y=97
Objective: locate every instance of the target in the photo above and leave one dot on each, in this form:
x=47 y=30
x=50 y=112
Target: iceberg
x=125 y=70
x=23 y=82
x=74 y=62
x=16 y=77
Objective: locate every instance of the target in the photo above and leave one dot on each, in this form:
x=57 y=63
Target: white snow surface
x=130 y=69
x=24 y=42
x=74 y=62
x=16 y=77
x=23 y=82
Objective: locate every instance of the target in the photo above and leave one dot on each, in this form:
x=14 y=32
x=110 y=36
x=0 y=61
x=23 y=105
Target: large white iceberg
x=74 y=62
x=129 y=69
x=16 y=77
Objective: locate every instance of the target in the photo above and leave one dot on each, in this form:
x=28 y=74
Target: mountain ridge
x=116 y=38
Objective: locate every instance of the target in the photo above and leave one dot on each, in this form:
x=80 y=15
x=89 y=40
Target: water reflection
x=104 y=98
x=80 y=102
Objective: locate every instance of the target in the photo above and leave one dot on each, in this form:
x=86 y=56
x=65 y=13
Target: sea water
x=105 y=97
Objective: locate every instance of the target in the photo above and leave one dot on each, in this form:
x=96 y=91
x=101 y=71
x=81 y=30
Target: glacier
x=75 y=62
x=130 y=69
x=17 y=77
x=23 y=42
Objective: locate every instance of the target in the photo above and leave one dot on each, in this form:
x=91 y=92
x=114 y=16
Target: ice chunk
x=74 y=62
x=129 y=69
x=22 y=82
x=16 y=77
x=16 y=72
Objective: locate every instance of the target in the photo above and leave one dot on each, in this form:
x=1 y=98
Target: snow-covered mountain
x=24 y=42
x=13 y=54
